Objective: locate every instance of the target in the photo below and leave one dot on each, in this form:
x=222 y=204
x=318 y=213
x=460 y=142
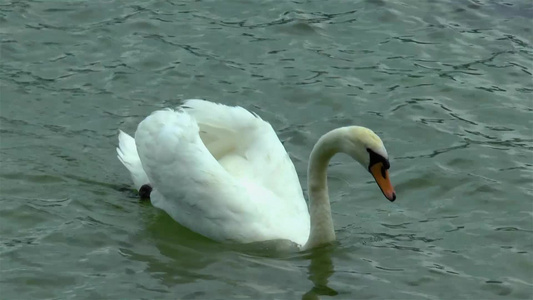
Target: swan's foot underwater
x=144 y=192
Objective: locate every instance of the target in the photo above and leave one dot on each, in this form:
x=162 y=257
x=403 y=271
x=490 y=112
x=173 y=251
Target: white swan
x=222 y=172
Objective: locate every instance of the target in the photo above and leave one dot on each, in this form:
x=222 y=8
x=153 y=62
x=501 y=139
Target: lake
x=446 y=84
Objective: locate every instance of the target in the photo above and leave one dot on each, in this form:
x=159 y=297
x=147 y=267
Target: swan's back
x=222 y=172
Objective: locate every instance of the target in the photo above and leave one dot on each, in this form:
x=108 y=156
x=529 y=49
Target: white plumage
x=222 y=172
x=219 y=171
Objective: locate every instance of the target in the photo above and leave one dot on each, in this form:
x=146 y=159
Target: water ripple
x=446 y=84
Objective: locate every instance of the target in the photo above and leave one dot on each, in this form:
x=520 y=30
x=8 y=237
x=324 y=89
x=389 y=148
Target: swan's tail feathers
x=127 y=154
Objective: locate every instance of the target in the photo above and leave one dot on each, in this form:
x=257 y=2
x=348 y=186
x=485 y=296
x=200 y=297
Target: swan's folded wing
x=194 y=188
x=247 y=147
x=225 y=130
x=188 y=182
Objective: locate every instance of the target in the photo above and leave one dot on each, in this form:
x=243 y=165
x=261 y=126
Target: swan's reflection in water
x=320 y=262
x=181 y=260
x=176 y=255
x=320 y=269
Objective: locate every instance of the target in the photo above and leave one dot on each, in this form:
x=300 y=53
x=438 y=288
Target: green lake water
x=447 y=85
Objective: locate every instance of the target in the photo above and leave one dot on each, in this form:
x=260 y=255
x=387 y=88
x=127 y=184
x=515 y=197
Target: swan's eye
x=386 y=164
x=376 y=158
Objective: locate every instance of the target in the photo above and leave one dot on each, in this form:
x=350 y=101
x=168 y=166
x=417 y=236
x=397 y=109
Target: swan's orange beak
x=381 y=175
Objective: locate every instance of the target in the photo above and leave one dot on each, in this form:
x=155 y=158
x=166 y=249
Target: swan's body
x=222 y=172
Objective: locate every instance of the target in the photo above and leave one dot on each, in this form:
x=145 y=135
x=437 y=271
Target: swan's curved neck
x=322 y=230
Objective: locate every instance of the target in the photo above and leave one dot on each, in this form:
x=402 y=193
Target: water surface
x=446 y=84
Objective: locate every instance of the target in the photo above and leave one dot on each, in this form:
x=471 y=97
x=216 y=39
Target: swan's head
x=363 y=145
